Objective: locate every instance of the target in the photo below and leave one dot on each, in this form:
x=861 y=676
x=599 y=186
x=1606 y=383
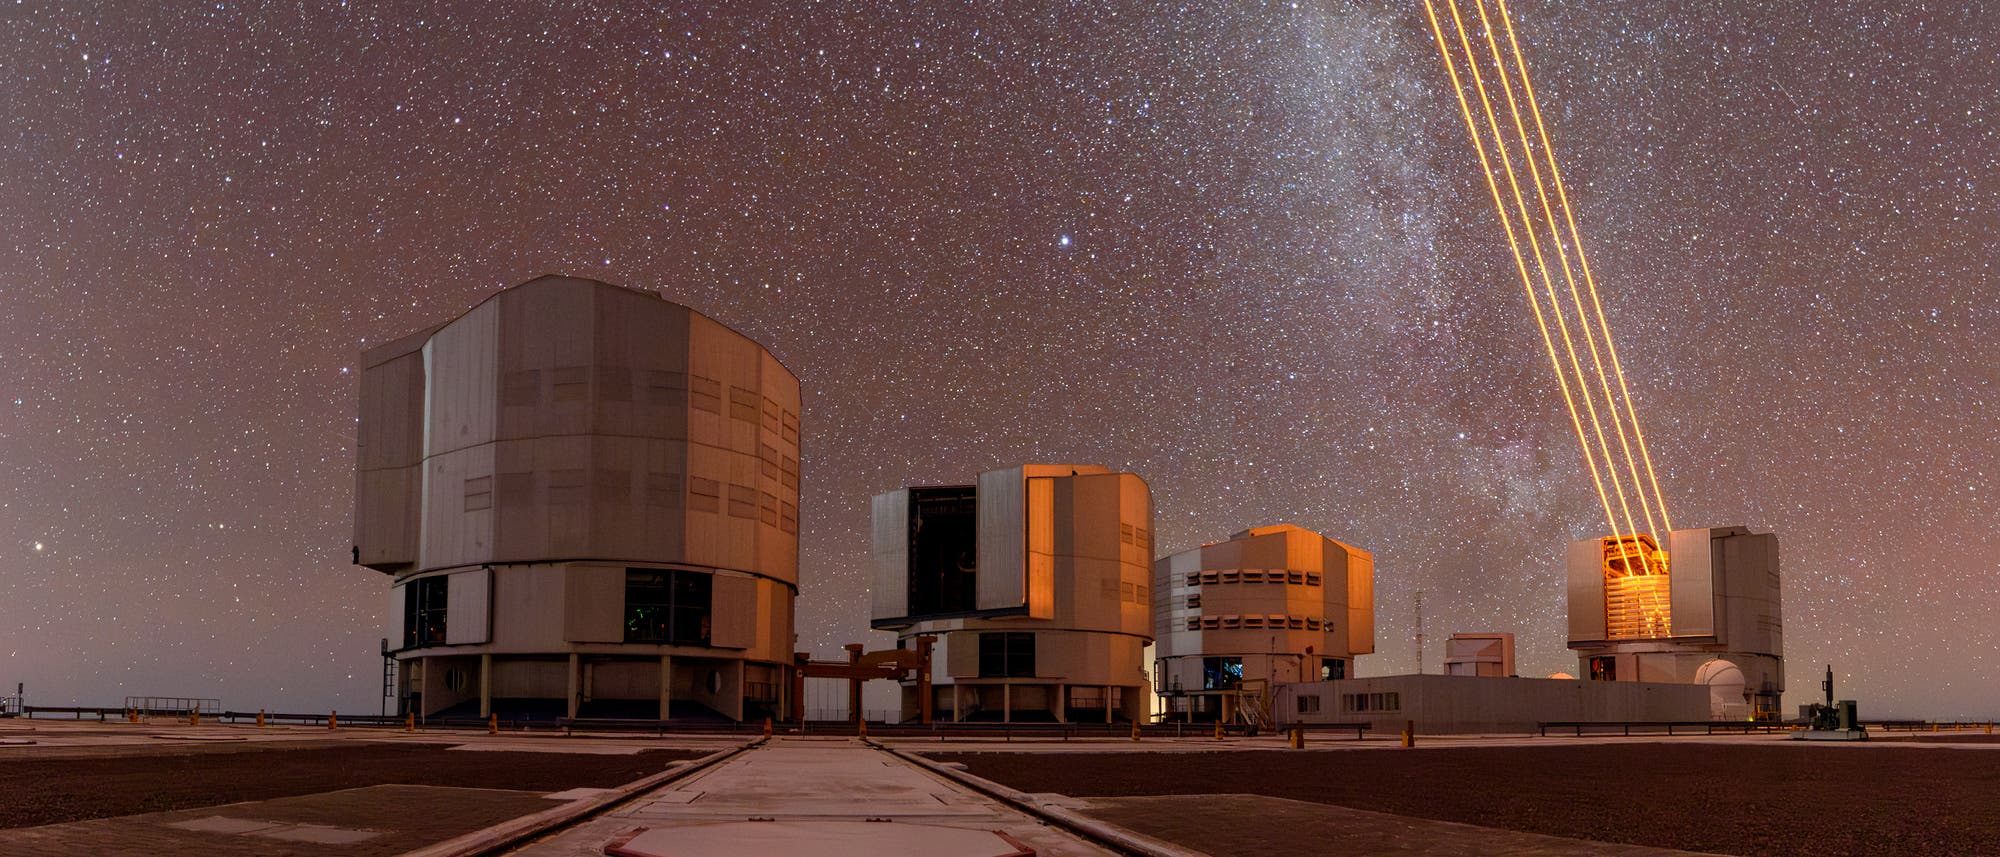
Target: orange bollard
x=410 y=722
x=767 y=727
x=492 y=723
x=864 y=727
x=1410 y=733
x=194 y=718
x=333 y=720
x=132 y=715
x=260 y=718
x=1218 y=730
x=1298 y=738
x=1135 y=730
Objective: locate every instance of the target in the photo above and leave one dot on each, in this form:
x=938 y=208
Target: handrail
x=1930 y=725
x=942 y=730
x=170 y=705
x=1625 y=727
x=75 y=712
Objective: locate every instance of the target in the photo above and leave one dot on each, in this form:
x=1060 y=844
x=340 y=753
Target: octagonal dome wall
x=389 y=454
x=567 y=418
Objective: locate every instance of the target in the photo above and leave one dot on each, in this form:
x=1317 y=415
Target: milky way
x=1242 y=250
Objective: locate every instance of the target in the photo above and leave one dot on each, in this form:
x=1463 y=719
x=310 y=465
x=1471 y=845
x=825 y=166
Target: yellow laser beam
x=1562 y=194
x=1569 y=278
x=1650 y=601
x=1520 y=263
x=1653 y=562
x=1548 y=283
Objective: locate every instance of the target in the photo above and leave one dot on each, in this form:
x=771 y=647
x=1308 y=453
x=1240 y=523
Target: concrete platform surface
x=804 y=784
x=818 y=839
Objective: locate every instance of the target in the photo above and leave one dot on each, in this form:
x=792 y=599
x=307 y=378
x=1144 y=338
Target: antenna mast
x=1420 y=632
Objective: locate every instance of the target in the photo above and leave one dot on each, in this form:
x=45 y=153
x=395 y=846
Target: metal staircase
x=1253 y=703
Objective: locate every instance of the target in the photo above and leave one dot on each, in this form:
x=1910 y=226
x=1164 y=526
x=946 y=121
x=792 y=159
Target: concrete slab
x=578 y=794
x=318 y=834
x=315 y=833
x=819 y=839
x=681 y=796
x=378 y=821
x=554 y=746
x=224 y=824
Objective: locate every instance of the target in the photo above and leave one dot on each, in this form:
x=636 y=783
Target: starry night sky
x=1240 y=249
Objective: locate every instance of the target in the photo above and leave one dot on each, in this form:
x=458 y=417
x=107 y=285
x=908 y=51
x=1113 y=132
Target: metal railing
x=541 y=724
x=74 y=712
x=175 y=705
x=1984 y=726
x=313 y=719
x=940 y=731
x=1726 y=727
x=1009 y=732
x=1662 y=727
x=1360 y=728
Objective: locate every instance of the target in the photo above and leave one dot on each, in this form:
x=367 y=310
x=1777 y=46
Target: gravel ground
x=48 y=791
x=1733 y=799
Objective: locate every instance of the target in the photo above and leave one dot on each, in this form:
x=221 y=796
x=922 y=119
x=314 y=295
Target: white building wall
x=468 y=607
x=1441 y=705
x=527 y=605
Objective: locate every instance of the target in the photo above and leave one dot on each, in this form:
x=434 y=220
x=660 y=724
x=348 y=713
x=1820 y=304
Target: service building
x=1271 y=605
